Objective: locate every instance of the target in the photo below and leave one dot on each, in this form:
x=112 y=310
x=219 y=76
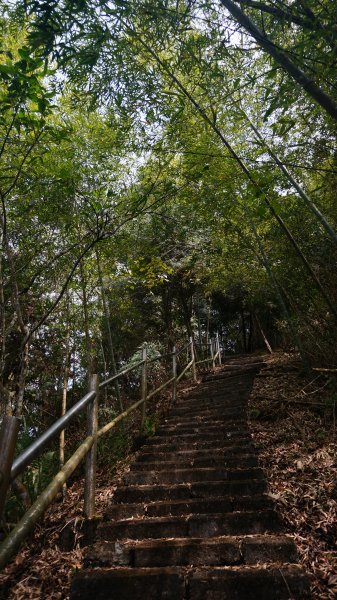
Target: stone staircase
x=191 y=519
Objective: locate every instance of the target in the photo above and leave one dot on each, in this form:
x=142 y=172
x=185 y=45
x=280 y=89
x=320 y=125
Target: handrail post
x=8 y=436
x=174 y=374
x=143 y=385
x=194 y=368
x=218 y=347
x=212 y=352
x=91 y=458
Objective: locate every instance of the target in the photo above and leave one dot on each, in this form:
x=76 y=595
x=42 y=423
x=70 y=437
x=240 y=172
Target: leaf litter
x=44 y=566
x=293 y=427
x=292 y=419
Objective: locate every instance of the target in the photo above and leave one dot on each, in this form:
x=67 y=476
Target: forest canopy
x=168 y=169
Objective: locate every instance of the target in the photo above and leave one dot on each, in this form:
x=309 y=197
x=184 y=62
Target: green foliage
x=121 y=128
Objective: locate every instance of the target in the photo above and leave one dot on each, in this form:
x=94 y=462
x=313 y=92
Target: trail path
x=191 y=520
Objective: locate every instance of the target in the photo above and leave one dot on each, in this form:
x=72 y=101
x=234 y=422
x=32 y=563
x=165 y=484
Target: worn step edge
x=222 y=550
x=147 y=454
x=240 y=583
x=184 y=445
x=188 y=506
x=239 y=462
x=183 y=491
x=205 y=525
x=191 y=475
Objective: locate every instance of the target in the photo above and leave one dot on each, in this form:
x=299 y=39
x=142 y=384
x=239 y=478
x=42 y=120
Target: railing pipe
x=106 y=382
x=8 y=436
x=200 y=362
x=30 y=518
x=159 y=389
x=187 y=368
x=160 y=357
x=182 y=349
x=108 y=426
x=91 y=458
x=35 y=449
x=87 y=448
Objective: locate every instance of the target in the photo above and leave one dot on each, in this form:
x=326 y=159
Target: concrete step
x=191 y=519
x=215 y=551
x=210 y=525
x=148 y=455
x=207 y=426
x=240 y=461
x=179 y=583
x=195 y=438
x=144 y=493
x=178 y=445
x=224 y=399
x=214 y=417
x=162 y=508
x=190 y=475
x=273 y=583
x=239 y=411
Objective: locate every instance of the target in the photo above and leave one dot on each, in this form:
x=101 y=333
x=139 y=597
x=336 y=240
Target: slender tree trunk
x=166 y=310
x=208 y=323
x=305 y=197
x=199 y=329
x=88 y=342
x=291 y=326
x=242 y=165
x=251 y=329
x=66 y=368
x=106 y=372
x=107 y=324
x=244 y=332
x=264 y=337
x=325 y=101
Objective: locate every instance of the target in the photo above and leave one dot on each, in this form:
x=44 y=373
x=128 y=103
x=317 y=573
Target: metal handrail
x=183 y=349
x=36 y=447
x=88 y=446
x=106 y=382
x=199 y=362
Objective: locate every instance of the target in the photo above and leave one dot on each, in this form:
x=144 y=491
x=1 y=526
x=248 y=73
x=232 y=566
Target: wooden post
x=194 y=368
x=218 y=347
x=8 y=436
x=174 y=374
x=90 y=465
x=212 y=352
x=143 y=385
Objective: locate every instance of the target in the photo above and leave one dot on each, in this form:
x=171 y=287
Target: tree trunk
x=107 y=323
x=244 y=332
x=241 y=163
x=88 y=342
x=323 y=99
x=258 y=323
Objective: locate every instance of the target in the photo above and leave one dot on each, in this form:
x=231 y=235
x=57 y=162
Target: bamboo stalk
x=8 y=436
x=185 y=370
x=160 y=388
x=28 y=521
